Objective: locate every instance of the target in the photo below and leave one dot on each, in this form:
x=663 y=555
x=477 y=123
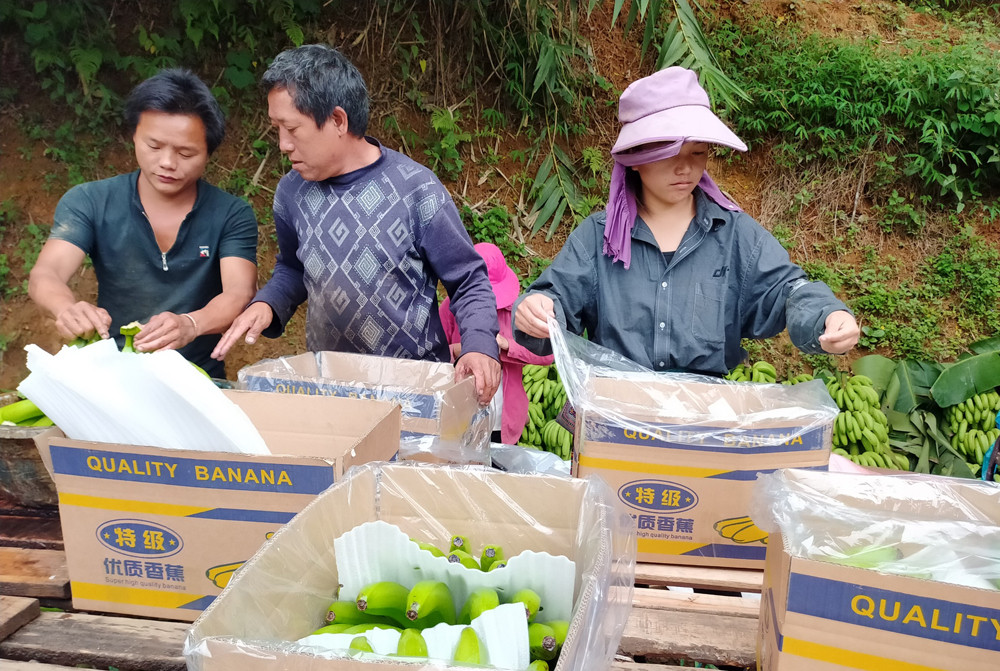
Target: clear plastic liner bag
x=922 y=526
x=518 y=459
x=614 y=394
x=569 y=539
x=442 y=419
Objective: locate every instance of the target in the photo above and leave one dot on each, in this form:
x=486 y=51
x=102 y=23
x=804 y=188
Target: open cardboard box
x=438 y=413
x=284 y=591
x=818 y=615
x=159 y=533
x=683 y=456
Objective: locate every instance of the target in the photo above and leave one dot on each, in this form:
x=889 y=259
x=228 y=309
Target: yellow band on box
x=848 y=658
x=650 y=468
x=132 y=595
x=656 y=545
x=119 y=505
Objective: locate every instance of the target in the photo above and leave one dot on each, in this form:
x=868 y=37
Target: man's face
x=316 y=153
x=171 y=151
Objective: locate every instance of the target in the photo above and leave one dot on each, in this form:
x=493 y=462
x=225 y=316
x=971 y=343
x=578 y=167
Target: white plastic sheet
x=157 y=399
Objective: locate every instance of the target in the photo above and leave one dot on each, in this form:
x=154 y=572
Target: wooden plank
x=726 y=579
x=696 y=637
x=615 y=666
x=82 y=639
x=709 y=604
x=35 y=573
x=15 y=612
x=11 y=665
x=30 y=531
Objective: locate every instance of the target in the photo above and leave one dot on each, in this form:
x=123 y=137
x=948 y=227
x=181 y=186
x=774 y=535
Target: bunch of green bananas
x=546 y=398
x=760 y=371
x=976 y=413
x=556 y=439
x=543 y=386
x=799 y=379
x=861 y=430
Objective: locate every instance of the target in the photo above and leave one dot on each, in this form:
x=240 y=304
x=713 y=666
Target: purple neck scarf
x=622 y=208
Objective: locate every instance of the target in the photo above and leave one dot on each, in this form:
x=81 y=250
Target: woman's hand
x=533 y=314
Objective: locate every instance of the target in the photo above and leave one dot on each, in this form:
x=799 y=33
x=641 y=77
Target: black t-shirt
x=135 y=280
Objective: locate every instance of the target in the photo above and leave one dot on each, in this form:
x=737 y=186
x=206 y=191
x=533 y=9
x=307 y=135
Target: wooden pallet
x=664 y=625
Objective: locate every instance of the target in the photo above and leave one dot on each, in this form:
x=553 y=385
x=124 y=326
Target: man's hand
x=840 y=333
x=81 y=319
x=251 y=322
x=533 y=314
x=486 y=371
x=165 y=331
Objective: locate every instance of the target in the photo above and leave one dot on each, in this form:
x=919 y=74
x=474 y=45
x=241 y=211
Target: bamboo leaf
x=556 y=219
x=543 y=172
x=967 y=378
x=618 y=9
x=550 y=206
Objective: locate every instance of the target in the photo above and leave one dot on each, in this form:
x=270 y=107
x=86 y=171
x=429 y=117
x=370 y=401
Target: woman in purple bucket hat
x=673 y=274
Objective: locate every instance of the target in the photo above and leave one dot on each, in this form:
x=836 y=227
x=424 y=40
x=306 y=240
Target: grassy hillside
x=873 y=125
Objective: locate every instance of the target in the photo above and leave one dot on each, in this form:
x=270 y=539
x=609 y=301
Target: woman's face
x=671 y=180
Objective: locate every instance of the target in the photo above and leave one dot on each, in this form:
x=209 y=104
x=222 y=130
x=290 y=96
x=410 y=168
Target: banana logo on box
x=740 y=530
x=223 y=573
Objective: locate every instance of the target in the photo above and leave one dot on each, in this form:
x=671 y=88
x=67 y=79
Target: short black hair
x=177 y=91
x=319 y=79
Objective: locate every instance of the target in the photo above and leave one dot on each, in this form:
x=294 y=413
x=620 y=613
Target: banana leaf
x=876 y=367
x=986 y=345
x=910 y=385
x=966 y=378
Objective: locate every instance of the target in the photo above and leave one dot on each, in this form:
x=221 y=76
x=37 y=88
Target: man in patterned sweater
x=364 y=234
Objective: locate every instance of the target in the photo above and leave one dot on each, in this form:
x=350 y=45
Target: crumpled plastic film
x=282 y=593
x=613 y=391
x=442 y=420
x=925 y=526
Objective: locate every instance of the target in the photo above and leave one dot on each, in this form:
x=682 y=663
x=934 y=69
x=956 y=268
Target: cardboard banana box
x=159 y=533
x=683 y=456
x=284 y=591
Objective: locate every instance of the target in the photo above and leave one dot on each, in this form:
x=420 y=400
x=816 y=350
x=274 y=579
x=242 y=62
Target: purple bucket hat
x=666 y=106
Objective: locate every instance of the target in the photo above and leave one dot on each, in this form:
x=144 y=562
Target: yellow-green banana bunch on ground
x=760 y=371
x=861 y=430
x=546 y=398
x=799 y=379
x=972 y=425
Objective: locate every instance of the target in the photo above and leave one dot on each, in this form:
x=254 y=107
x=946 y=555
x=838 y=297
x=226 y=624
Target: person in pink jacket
x=510 y=404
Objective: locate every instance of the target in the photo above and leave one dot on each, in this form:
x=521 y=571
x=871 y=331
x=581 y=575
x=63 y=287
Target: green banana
x=429 y=547
x=385 y=599
x=459 y=543
x=542 y=642
x=491 y=554
x=497 y=565
x=332 y=629
x=346 y=612
x=430 y=603
x=469 y=650
x=464 y=558
x=368 y=626
x=561 y=629
x=530 y=599
x=411 y=644
x=538 y=665
x=361 y=643
x=479 y=601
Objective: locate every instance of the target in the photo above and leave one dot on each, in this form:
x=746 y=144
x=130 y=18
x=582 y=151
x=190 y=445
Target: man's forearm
x=50 y=293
